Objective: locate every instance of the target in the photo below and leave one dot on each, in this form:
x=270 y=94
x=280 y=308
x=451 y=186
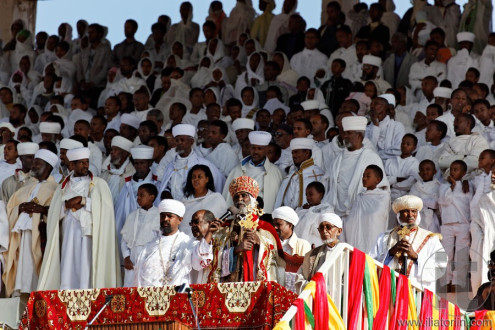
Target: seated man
x=485 y=296
x=410 y=249
x=244 y=238
x=330 y=228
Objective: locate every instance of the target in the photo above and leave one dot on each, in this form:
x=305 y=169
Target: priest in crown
x=246 y=248
x=409 y=249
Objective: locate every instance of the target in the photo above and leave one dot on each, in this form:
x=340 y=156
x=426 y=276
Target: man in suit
x=396 y=67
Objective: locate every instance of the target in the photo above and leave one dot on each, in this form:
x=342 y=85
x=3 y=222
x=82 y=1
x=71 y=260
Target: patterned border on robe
x=264 y=304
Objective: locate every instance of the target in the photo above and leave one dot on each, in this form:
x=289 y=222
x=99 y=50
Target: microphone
x=231 y=211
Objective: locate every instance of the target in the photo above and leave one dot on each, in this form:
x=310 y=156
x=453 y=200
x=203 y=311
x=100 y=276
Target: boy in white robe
x=127 y=200
x=482 y=181
x=454 y=202
x=427 y=188
x=402 y=170
x=309 y=213
x=140 y=228
x=369 y=212
x=308 y=61
x=463 y=60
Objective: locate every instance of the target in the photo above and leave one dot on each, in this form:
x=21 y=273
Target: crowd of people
x=118 y=165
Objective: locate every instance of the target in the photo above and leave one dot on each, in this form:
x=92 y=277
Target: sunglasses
x=327 y=227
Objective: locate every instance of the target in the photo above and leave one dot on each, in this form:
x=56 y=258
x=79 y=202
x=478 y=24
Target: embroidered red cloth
x=252 y=305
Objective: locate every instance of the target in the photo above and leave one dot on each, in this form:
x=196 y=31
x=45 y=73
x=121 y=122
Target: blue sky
x=113 y=13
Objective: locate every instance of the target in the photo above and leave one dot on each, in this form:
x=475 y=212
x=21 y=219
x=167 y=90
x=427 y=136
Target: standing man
x=167 y=259
x=410 y=249
x=27 y=211
x=258 y=167
x=26 y=152
x=304 y=171
x=84 y=255
x=129 y=46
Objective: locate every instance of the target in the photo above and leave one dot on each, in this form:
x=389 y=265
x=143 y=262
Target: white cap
x=286 y=213
x=311 y=105
x=331 y=218
x=444 y=92
x=50 y=128
x=47 y=156
x=172 y=206
x=243 y=123
x=8 y=125
x=27 y=148
x=78 y=154
x=354 y=123
x=389 y=97
x=465 y=36
x=302 y=143
x=70 y=144
x=142 y=152
x=184 y=129
x=372 y=60
x=122 y=143
x=130 y=120
x=259 y=138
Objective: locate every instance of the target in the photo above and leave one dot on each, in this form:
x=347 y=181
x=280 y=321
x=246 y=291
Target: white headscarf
x=258 y=73
x=202 y=75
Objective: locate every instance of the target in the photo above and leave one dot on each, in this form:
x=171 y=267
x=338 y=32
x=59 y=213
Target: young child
x=454 y=199
x=309 y=213
x=141 y=227
x=369 y=213
x=427 y=188
x=435 y=134
x=402 y=170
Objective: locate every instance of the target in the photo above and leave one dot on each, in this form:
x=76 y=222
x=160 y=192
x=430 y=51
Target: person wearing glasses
x=330 y=228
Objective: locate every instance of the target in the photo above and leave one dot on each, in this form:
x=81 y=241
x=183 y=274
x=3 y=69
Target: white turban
x=331 y=218
x=302 y=143
x=465 y=36
x=47 y=156
x=78 y=154
x=142 y=152
x=286 y=213
x=122 y=143
x=130 y=120
x=50 y=128
x=70 y=144
x=407 y=202
x=9 y=126
x=389 y=97
x=172 y=206
x=354 y=123
x=243 y=123
x=444 y=92
x=184 y=129
x=259 y=138
x=372 y=60
x=27 y=148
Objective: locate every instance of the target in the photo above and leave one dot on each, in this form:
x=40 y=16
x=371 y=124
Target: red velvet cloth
x=356 y=276
x=267 y=305
x=300 y=323
x=401 y=304
x=426 y=315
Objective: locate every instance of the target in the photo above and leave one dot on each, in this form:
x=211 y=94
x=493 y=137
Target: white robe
x=387 y=137
x=428 y=192
x=459 y=64
x=212 y=201
x=432 y=260
x=334 y=147
x=346 y=54
x=420 y=69
x=463 y=147
x=307 y=62
x=7 y=169
x=223 y=157
x=170 y=267
x=141 y=227
x=399 y=167
x=345 y=178
x=367 y=219
x=448 y=118
x=291 y=187
x=487 y=65
x=307 y=227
